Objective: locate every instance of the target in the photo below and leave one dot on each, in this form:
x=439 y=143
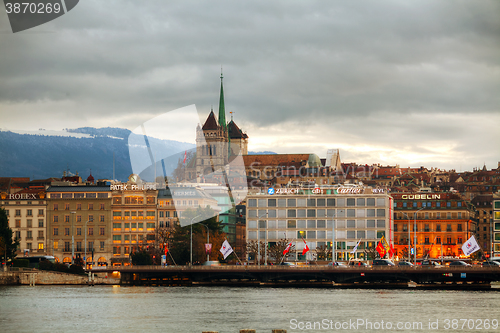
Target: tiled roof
x=274 y=159
x=235 y=132
x=210 y=123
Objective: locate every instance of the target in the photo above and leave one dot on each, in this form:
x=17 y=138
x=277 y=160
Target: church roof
x=210 y=123
x=235 y=132
x=274 y=159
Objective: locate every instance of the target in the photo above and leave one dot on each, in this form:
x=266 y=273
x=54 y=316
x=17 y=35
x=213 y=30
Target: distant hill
x=41 y=156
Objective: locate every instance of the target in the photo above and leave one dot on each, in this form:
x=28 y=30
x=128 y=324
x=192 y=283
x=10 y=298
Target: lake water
x=225 y=309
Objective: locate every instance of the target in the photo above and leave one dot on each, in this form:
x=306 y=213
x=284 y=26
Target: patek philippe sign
x=132 y=187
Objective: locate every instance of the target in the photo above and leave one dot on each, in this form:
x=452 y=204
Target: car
x=211 y=263
x=431 y=263
x=490 y=263
x=460 y=263
x=382 y=262
x=357 y=263
x=290 y=264
x=405 y=263
x=338 y=264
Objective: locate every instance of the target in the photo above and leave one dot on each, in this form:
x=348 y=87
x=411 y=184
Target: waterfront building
x=134 y=218
x=26 y=211
x=78 y=222
x=483 y=204
x=443 y=222
x=352 y=214
x=496 y=225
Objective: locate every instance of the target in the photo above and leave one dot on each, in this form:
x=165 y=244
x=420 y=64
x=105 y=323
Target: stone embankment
x=36 y=277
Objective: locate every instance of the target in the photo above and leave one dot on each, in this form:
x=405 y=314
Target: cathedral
x=216 y=142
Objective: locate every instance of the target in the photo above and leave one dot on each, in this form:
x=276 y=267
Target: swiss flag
x=306 y=248
x=185 y=157
x=287 y=248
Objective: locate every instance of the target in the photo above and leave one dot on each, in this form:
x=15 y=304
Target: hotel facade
x=320 y=217
x=440 y=223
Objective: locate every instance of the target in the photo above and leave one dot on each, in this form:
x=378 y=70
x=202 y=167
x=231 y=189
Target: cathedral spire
x=222 y=110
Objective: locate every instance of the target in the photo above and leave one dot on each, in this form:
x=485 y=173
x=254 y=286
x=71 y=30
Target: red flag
x=185 y=157
x=306 y=248
x=287 y=248
x=381 y=249
x=392 y=251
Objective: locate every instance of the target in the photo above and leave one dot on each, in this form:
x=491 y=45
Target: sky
x=409 y=83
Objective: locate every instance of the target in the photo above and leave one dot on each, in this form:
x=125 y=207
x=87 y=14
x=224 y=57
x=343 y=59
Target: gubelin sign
x=420 y=196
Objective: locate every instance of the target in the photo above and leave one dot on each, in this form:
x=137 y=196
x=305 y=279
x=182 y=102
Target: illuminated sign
x=132 y=187
x=23 y=196
x=420 y=196
x=287 y=191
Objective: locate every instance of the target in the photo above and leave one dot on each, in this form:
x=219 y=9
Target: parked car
x=460 y=263
x=382 y=262
x=338 y=264
x=357 y=263
x=490 y=263
x=431 y=263
x=285 y=263
x=405 y=263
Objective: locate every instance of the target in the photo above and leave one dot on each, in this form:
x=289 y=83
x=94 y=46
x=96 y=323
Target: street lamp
x=72 y=239
x=191 y=248
x=85 y=244
x=415 y=235
x=409 y=237
x=208 y=240
x=333 y=237
x=258 y=239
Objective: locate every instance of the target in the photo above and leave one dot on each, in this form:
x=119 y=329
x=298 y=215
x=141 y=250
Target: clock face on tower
x=133 y=178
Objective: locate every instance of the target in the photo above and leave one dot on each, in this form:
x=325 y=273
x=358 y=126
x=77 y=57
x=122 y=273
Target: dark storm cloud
x=390 y=67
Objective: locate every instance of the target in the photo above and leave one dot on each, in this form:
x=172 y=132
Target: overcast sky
x=391 y=82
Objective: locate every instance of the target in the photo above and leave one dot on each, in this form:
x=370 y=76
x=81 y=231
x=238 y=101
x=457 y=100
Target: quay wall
x=37 y=277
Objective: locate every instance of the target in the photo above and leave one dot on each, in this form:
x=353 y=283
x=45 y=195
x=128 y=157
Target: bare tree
x=276 y=251
x=323 y=252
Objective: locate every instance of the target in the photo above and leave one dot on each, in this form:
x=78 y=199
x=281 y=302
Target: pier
x=308 y=276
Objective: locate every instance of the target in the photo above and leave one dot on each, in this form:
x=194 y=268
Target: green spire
x=222 y=110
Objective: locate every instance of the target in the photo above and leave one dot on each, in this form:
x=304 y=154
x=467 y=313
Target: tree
x=180 y=240
x=7 y=244
x=371 y=253
x=141 y=258
x=276 y=251
x=323 y=252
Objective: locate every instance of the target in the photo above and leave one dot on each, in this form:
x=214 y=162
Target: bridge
x=308 y=276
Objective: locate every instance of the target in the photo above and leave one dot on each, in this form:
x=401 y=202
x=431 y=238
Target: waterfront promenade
x=309 y=276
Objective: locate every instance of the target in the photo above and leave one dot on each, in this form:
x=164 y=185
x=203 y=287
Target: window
x=29 y=234
x=56 y=218
x=66 y=218
x=101 y=231
x=66 y=231
x=101 y=245
x=101 y=206
x=78 y=206
x=91 y=231
x=18 y=212
x=29 y=212
x=55 y=231
x=438 y=227
x=18 y=223
x=67 y=247
x=101 y=218
x=79 y=246
x=459 y=227
x=78 y=231
x=40 y=234
x=91 y=206
x=66 y=206
x=40 y=212
x=448 y=227
x=56 y=206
